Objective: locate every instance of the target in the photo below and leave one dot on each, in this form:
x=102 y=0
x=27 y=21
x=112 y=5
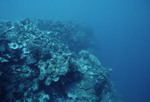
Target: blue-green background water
x=122 y=28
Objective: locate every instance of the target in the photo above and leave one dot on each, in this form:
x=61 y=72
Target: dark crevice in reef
x=59 y=89
x=50 y=61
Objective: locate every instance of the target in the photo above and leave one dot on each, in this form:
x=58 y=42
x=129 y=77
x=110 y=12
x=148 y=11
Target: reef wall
x=49 y=61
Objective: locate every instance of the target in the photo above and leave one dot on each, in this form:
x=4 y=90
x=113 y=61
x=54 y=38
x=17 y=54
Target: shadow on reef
x=49 y=61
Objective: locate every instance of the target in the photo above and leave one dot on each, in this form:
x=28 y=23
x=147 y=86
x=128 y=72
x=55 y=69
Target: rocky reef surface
x=49 y=61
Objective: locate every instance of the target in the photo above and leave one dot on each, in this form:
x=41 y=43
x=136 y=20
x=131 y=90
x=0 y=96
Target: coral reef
x=49 y=61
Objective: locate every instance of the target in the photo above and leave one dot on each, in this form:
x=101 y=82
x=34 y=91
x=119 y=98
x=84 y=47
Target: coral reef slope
x=49 y=61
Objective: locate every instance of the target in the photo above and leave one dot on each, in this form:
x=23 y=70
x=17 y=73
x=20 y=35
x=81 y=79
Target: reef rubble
x=49 y=61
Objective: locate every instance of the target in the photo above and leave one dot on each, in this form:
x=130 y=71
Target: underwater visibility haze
x=74 y=51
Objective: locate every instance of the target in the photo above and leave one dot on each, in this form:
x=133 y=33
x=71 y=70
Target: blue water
x=122 y=28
